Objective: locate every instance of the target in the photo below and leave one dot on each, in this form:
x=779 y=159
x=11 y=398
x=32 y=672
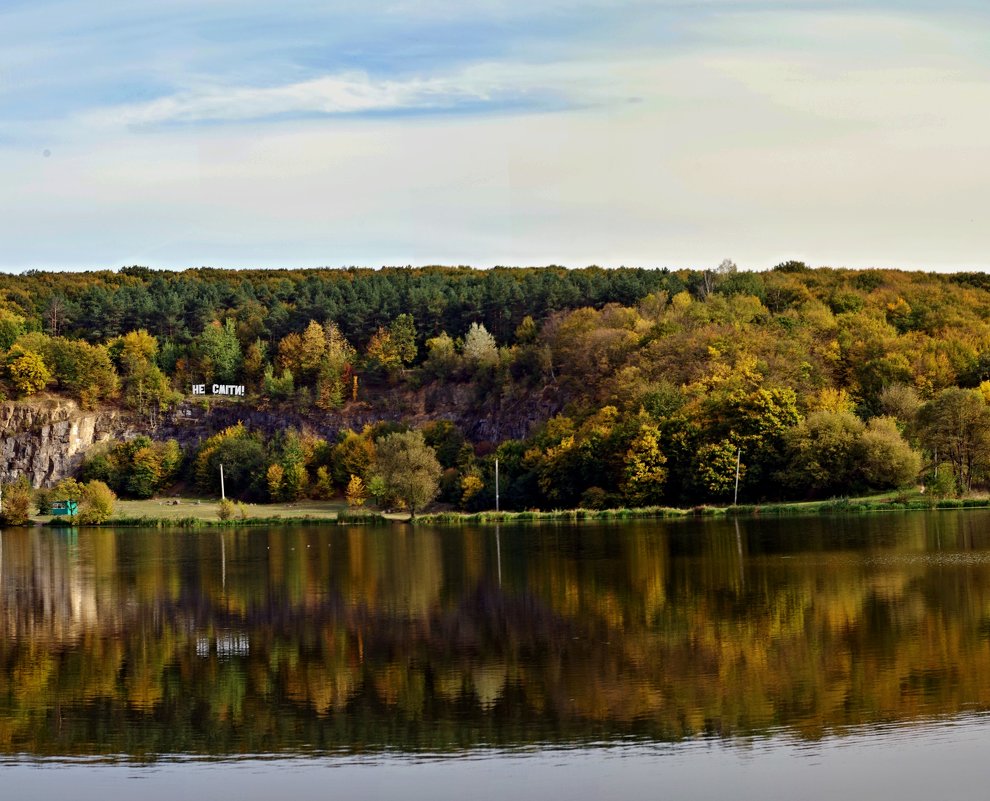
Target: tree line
x=641 y=386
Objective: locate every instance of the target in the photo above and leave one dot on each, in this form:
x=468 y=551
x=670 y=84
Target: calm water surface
x=808 y=658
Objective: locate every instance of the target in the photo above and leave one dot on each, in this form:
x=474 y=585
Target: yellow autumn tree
x=28 y=371
x=356 y=492
x=275 y=480
x=645 y=471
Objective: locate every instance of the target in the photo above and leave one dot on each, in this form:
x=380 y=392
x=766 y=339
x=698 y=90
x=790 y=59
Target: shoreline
x=344 y=517
x=785 y=509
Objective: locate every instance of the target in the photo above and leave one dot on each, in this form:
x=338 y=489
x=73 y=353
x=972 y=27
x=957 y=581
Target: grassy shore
x=202 y=512
x=206 y=509
x=890 y=502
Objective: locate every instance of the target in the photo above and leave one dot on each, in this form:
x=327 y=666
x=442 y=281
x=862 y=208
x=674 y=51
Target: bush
x=943 y=485
x=43 y=501
x=226 y=509
x=886 y=458
x=594 y=498
x=16 y=503
x=97 y=503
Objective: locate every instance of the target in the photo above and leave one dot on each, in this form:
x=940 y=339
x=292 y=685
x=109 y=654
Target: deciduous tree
x=409 y=468
x=956 y=426
x=645 y=468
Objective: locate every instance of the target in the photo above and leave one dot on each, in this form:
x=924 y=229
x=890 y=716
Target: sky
x=671 y=133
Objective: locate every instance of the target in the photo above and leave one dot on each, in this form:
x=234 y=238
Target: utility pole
x=735 y=498
x=496 y=485
x=223 y=495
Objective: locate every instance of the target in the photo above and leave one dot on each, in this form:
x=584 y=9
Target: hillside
x=591 y=386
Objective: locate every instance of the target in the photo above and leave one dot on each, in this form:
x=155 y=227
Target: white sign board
x=219 y=389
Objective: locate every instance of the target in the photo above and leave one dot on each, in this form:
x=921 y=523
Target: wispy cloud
x=339 y=94
x=240 y=132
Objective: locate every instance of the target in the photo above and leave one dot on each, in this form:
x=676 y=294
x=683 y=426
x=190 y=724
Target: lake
x=820 y=657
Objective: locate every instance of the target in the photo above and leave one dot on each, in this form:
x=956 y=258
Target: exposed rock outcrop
x=46 y=438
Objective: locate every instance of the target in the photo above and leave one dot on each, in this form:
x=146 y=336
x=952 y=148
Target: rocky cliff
x=46 y=438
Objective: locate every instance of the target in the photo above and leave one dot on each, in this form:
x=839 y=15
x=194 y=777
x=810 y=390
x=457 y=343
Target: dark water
x=809 y=658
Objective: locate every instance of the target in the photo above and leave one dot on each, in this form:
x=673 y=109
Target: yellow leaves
x=356 y=492
x=831 y=399
x=681 y=301
x=290 y=352
x=898 y=309
x=381 y=350
x=311 y=444
x=831 y=351
x=601 y=423
x=312 y=347
x=720 y=375
x=136 y=346
x=559 y=427
x=275 y=480
x=27 y=371
x=645 y=471
x=566 y=444
x=471 y=485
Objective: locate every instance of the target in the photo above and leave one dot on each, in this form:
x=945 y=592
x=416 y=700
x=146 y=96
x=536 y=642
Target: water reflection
x=422 y=640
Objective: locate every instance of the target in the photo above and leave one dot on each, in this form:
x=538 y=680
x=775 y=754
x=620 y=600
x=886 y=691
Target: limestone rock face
x=45 y=439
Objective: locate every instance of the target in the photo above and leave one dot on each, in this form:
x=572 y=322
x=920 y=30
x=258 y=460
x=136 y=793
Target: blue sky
x=242 y=133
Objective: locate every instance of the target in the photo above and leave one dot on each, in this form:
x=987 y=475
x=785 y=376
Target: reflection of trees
x=247 y=642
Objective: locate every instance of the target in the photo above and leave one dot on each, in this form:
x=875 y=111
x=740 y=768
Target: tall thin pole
x=496 y=485
x=735 y=498
x=223 y=494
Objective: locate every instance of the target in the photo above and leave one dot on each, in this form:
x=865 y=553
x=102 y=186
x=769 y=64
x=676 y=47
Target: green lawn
x=206 y=508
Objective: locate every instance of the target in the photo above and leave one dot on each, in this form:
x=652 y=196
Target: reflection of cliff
x=288 y=639
x=45 y=593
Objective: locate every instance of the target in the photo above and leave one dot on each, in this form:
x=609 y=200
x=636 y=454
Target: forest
x=639 y=386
